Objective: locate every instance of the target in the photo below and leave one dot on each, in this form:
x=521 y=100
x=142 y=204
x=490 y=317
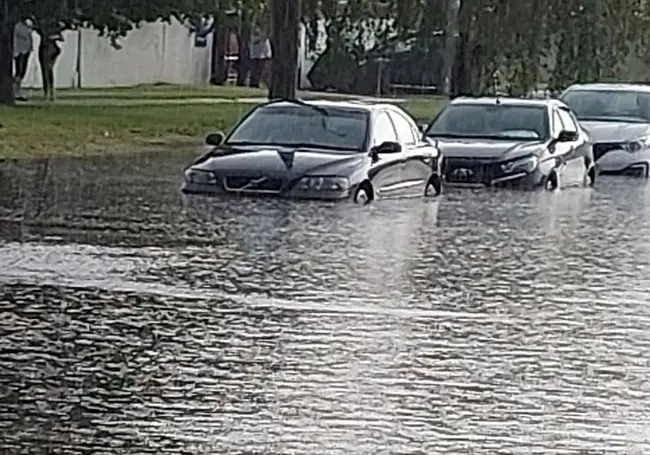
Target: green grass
x=163 y=91
x=118 y=121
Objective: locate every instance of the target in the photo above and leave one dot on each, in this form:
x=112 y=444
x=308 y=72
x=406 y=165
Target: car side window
x=574 y=118
x=567 y=121
x=384 y=130
x=403 y=128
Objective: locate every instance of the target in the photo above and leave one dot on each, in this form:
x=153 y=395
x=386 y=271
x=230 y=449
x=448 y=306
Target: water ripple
x=134 y=321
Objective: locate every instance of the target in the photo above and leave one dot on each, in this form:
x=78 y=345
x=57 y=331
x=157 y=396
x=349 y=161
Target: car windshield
x=609 y=105
x=304 y=126
x=492 y=121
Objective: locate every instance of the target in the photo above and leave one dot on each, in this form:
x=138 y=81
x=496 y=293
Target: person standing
x=48 y=52
x=23 y=47
x=260 y=54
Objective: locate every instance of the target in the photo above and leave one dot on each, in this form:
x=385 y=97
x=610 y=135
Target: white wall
x=66 y=66
x=156 y=52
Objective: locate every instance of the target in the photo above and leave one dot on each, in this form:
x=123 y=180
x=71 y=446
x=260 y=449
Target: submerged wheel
x=434 y=186
x=363 y=195
x=553 y=181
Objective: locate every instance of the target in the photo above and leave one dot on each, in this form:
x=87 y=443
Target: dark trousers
x=20 y=62
x=48 y=52
x=259 y=72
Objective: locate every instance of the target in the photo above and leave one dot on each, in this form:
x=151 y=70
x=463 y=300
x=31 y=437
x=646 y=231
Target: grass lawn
x=162 y=91
x=118 y=120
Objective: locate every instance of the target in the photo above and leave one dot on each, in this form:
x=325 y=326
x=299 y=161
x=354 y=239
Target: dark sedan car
x=514 y=142
x=319 y=150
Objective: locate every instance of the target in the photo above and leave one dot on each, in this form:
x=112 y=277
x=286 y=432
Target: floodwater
x=136 y=321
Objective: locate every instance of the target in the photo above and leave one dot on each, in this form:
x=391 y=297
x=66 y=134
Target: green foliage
x=557 y=42
x=113 y=18
x=528 y=42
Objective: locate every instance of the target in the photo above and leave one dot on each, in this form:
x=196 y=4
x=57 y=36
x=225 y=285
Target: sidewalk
x=102 y=98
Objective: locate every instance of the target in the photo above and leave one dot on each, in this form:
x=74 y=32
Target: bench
x=413 y=89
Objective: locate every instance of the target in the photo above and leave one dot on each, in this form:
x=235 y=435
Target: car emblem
x=253 y=183
x=287 y=158
x=462 y=173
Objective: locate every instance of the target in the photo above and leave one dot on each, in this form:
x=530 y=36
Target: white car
x=617 y=117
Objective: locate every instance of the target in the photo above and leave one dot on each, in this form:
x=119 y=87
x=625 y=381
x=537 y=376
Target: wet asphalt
x=134 y=320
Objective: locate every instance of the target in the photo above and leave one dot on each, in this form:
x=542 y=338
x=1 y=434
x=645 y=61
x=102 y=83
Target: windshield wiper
x=297 y=102
x=321 y=110
x=467 y=136
x=244 y=143
x=459 y=136
x=617 y=119
x=311 y=145
x=305 y=145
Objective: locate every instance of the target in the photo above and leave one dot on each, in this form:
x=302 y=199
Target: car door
x=418 y=155
x=574 y=169
x=386 y=168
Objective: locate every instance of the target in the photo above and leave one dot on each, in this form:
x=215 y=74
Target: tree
x=360 y=33
x=285 y=19
x=9 y=12
x=113 y=19
x=451 y=43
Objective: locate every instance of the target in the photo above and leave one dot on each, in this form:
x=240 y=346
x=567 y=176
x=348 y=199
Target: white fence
x=154 y=53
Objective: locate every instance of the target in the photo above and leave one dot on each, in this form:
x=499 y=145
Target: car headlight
x=201 y=177
x=638 y=144
x=528 y=164
x=315 y=183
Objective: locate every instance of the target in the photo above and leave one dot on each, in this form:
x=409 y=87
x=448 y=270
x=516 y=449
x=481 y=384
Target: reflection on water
x=134 y=320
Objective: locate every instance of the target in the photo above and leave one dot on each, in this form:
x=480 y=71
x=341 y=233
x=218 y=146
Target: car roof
x=506 y=101
x=611 y=87
x=359 y=105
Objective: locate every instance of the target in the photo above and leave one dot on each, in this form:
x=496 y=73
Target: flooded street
x=134 y=320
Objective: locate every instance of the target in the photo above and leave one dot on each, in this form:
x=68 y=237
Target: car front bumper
x=624 y=162
x=515 y=180
x=191 y=188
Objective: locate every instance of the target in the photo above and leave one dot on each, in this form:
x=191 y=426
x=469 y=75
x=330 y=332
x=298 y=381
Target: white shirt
x=23 y=41
x=260 y=48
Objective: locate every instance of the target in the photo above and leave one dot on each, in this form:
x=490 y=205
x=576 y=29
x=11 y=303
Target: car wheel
x=553 y=182
x=434 y=186
x=363 y=195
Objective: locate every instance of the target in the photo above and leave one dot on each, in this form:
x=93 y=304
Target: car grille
x=471 y=171
x=602 y=148
x=253 y=184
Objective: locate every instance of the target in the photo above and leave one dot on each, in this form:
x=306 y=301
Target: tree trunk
x=8 y=18
x=451 y=39
x=285 y=18
x=219 y=70
x=463 y=69
x=244 y=62
x=460 y=72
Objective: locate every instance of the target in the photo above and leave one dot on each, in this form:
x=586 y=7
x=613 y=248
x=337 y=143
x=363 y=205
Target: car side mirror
x=214 y=139
x=388 y=147
x=567 y=136
x=423 y=127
